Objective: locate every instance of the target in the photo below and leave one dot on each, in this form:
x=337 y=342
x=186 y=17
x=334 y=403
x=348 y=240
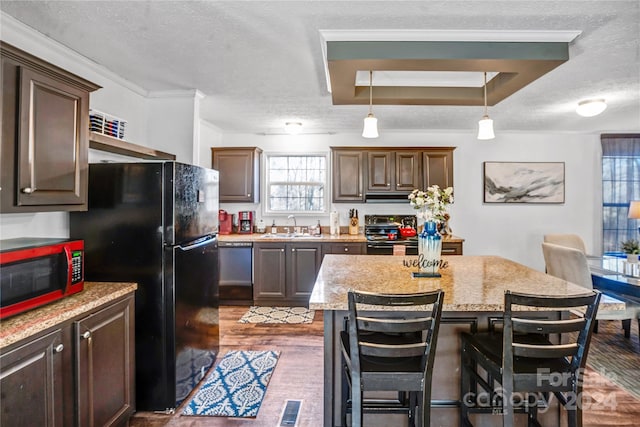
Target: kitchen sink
x=287 y=236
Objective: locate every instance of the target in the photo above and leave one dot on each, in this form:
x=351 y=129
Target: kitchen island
x=474 y=289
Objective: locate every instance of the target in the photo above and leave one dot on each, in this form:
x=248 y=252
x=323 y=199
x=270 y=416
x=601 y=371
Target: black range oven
x=383 y=235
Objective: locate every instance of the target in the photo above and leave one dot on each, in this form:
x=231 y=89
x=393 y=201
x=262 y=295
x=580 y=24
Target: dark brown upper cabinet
x=393 y=171
x=437 y=167
x=347 y=175
x=45 y=135
x=239 y=169
x=388 y=173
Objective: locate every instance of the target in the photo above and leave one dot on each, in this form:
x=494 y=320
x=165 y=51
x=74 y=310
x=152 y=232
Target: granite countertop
x=470 y=283
x=324 y=238
x=30 y=323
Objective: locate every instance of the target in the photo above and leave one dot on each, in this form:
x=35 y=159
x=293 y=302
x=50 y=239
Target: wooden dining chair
x=520 y=365
x=389 y=345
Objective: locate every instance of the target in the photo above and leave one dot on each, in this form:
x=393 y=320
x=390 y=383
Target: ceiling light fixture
x=485 y=126
x=293 y=128
x=370 y=129
x=591 y=107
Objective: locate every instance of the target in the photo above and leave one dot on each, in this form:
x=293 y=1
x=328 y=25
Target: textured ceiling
x=260 y=63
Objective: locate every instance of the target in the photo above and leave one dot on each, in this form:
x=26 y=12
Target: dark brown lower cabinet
x=284 y=273
x=104 y=346
x=80 y=373
x=31 y=387
x=344 y=248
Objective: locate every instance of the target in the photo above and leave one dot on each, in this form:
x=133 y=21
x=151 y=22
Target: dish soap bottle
x=318 y=229
x=274 y=229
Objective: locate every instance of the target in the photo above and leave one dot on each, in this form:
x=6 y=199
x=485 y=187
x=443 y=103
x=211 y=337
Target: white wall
x=511 y=230
x=172 y=123
x=210 y=136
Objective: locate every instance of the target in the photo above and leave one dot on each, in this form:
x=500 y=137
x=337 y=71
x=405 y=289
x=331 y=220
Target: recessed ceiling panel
x=514 y=65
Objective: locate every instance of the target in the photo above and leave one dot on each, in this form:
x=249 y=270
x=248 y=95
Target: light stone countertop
x=95 y=294
x=324 y=238
x=470 y=283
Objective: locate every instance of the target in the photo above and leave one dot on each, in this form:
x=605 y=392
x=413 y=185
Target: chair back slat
x=545 y=351
x=393 y=351
x=545 y=327
x=395 y=325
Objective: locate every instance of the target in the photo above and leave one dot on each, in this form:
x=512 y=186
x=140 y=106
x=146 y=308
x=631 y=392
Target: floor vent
x=289 y=417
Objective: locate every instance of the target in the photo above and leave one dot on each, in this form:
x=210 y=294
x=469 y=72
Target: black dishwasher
x=236 y=273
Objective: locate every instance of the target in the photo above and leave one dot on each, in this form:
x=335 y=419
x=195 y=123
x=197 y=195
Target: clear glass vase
x=429 y=250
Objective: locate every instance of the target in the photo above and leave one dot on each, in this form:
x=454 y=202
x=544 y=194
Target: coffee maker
x=245 y=222
x=226 y=222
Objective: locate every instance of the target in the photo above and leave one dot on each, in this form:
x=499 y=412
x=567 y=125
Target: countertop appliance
x=226 y=222
x=156 y=223
x=37 y=271
x=245 y=222
x=236 y=273
x=383 y=233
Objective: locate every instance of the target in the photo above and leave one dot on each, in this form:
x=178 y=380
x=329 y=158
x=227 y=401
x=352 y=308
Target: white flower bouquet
x=433 y=203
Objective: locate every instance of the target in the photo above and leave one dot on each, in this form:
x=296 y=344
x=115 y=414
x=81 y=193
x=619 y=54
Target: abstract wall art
x=523 y=182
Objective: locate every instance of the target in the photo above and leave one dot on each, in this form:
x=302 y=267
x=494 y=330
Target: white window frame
x=265 y=188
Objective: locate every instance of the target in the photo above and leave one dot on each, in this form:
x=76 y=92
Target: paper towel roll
x=334 y=223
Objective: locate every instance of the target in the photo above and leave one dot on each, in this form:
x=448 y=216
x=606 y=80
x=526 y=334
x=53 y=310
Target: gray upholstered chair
x=569 y=240
x=571 y=265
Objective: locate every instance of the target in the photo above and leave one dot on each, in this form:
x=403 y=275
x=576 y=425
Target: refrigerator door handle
x=198 y=243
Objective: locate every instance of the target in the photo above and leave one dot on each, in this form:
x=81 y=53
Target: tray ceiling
x=260 y=63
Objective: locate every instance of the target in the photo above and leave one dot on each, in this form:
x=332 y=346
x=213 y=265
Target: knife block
x=354 y=225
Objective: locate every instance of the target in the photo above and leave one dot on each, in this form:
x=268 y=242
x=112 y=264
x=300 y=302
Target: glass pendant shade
x=370 y=129
x=485 y=128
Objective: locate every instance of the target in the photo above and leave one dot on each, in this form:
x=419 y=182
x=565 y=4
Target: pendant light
x=370 y=129
x=485 y=126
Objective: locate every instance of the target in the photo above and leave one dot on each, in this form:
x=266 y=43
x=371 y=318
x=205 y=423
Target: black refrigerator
x=156 y=223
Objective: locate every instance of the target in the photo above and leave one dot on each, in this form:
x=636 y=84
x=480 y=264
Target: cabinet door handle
x=293 y=249
x=359 y=194
x=449 y=251
x=27 y=190
x=346 y=249
x=281 y=250
x=249 y=195
x=58 y=348
x=86 y=335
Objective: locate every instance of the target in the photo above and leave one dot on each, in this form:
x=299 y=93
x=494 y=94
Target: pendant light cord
x=485 y=93
x=370 y=91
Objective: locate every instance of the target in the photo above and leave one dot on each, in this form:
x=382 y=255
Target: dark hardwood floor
x=299 y=375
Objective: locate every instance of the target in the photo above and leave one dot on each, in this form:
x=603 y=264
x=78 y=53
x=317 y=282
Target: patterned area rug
x=615 y=357
x=236 y=386
x=277 y=315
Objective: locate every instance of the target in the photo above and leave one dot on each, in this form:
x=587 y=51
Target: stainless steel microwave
x=37 y=271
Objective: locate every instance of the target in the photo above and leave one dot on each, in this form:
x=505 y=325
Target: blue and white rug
x=236 y=387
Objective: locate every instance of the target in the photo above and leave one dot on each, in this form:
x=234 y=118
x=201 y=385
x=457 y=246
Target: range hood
x=386 y=197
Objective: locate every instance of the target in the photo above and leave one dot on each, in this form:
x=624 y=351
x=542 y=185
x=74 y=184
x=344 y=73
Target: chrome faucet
x=295 y=225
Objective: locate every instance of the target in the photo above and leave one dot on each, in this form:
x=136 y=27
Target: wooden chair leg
x=626 y=325
x=468 y=386
x=346 y=392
